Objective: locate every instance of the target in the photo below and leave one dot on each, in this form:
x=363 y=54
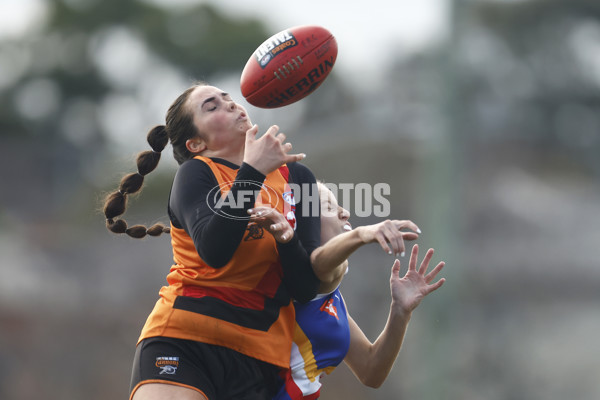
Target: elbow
x=307 y=293
x=302 y=289
x=213 y=259
x=303 y=296
x=327 y=275
x=332 y=280
x=371 y=381
x=336 y=276
x=303 y=299
x=374 y=384
x=372 y=376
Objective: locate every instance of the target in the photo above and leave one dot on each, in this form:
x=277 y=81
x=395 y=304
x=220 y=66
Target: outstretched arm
x=372 y=362
x=328 y=261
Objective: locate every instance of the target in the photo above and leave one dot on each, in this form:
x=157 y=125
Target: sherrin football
x=288 y=66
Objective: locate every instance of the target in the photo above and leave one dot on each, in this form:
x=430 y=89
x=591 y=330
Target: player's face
x=220 y=120
x=334 y=218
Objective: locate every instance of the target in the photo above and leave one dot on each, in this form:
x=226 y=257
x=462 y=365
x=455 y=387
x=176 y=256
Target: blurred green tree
x=528 y=71
x=63 y=60
x=99 y=70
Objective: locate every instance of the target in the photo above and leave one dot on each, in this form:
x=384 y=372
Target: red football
x=288 y=66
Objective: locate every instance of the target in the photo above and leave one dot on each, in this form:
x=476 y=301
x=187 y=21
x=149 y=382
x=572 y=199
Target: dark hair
x=178 y=129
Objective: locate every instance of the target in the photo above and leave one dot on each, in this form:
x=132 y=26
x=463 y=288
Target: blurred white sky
x=368 y=32
x=18 y=16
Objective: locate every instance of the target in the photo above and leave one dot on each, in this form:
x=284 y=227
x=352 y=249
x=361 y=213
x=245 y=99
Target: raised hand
x=268 y=152
x=408 y=291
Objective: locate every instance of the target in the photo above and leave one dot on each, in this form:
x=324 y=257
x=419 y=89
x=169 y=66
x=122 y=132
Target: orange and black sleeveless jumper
x=228 y=286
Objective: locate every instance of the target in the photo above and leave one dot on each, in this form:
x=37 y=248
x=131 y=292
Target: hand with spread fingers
x=268 y=152
x=408 y=291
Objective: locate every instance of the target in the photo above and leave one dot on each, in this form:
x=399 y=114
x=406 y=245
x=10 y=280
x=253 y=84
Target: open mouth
x=347 y=226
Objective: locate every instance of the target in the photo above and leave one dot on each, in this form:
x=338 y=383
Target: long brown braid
x=178 y=129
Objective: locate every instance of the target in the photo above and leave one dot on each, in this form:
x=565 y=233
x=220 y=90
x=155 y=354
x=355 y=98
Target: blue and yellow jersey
x=321 y=342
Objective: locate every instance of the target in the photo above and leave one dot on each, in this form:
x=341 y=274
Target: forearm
x=298 y=276
x=328 y=259
x=217 y=239
x=372 y=362
x=386 y=348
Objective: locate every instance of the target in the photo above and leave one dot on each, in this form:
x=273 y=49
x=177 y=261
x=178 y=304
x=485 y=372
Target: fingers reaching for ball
x=268 y=152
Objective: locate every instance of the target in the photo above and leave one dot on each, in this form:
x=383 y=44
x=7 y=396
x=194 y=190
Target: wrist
x=248 y=172
x=359 y=233
x=398 y=311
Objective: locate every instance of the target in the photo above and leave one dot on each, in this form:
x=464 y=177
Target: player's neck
x=233 y=157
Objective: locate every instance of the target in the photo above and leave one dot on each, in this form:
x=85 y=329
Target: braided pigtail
x=178 y=129
x=116 y=202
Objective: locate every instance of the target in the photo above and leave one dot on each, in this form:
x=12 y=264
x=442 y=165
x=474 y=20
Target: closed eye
x=214 y=100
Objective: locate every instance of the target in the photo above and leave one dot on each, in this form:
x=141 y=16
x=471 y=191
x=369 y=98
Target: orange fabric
x=250 y=280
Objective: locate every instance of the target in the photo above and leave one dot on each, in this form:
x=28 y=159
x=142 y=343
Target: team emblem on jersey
x=288 y=197
x=329 y=308
x=289 y=206
x=254 y=232
x=167 y=365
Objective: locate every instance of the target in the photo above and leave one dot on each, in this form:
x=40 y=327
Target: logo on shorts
x=167 y=365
